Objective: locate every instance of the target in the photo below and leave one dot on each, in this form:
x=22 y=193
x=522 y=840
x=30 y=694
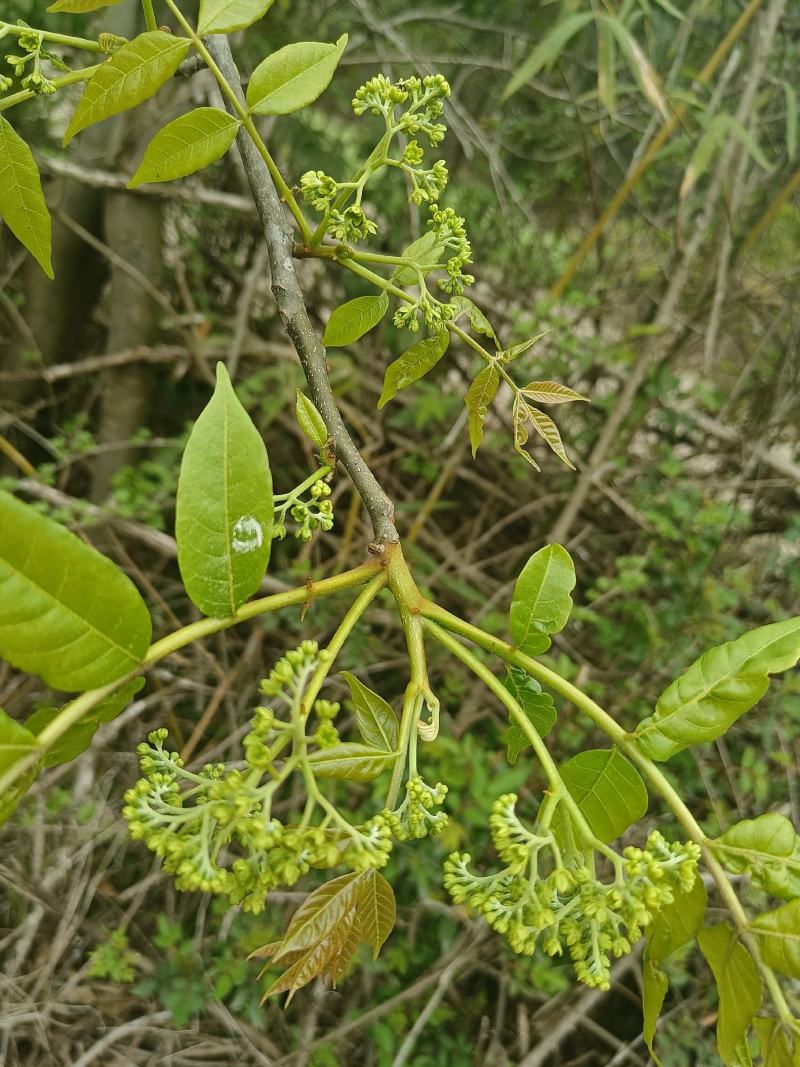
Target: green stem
x=655 y=777
x=77 y=708
x=298 y=490
x=65 y=39
x=149 y=15
x=283 y=189
x=67 y=79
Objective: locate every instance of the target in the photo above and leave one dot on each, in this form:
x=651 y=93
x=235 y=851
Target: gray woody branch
x=291 y=306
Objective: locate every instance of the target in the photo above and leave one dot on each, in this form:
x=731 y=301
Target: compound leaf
x=351 y=760
x=131 y=74
x=69 y=615
x=414 y=363
x=768 y=848
x=225 y=16
x=479 y=396
x=223 y=510
x=541 y=603
x=293 y=77
x=537 y=706
x=607 y=788
x=718 y=688
x=310 y=421
x=353 y=319
x=547 y=51
x=738 y=986
x=375 y=718
x=186 y=145
x=22 y=204
x=778 y=934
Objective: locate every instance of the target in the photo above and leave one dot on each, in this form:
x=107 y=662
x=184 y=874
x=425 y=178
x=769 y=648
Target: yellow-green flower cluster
x=569 y=907
x=415 y=817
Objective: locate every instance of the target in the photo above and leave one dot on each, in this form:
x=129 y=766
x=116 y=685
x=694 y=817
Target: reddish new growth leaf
x=328 y=927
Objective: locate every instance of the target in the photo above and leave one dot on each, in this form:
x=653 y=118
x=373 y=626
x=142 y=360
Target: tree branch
x=291 y=307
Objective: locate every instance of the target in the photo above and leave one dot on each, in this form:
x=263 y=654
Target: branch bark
x=292 y=309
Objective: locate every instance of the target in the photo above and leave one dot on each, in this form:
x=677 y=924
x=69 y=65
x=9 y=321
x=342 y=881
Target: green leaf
x=790 y=96
x=22 y=204
x=670 y=9
x=606 y=69
x=225 y=16
x=738 y=985
x=538 y=707
x=768 y=848
x=607 y=788
x=673 y=927
x=541 y=603
x=551 y=393
x=778 y=1046
x=130 y=75
x=310 y=421
x=547 y=51
x=224 y=509
x=718 y=688
x=376 y=911
x=351 y=760
x=353 y=319
x=78 y=738
x=69 y=615
x=477 y=319
x=639 y=64
x=186 y=145
x=424 y=252
x=414 y=363
x=79 y=7
x=705 y=150
x=778 y=935
x=16 y=742
x=375 y=718
x=479 y=396
x=293 y=77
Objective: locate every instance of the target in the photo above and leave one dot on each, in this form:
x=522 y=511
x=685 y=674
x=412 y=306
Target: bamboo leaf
x=768 y=849
x=186 y=145
x=608 y=790
x=22 y=204
x=738 y=985
x=293 y=77
x=639 y=64
x=606 y=69
x=790 y=96
x=537 y=706
x=375 y=718
x=479 y=396
x=353 y=319
x=352 y=761
x=541 y=603
x=224 y=509
x=551 y=393
x=414 y=363
x=225 y=16
x=704 y=151
x=547 y=51
x=69 y=615
x=310 y=421
x=778 y=934
x=718 y=688
x=130 y=75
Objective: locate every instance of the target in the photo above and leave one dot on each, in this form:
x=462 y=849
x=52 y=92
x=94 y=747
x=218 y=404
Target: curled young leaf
x=293 y=77
x=22 y=204
x=69 y=615
x=223 y=511
x=479 y=396
x=310 y=421
x=738 y=986
x=542 y=603
x=131 y=74
x=414 y=363
x=607 y=788
x=186 y=145
x=353 y=319
x=718 y=688
x=375 y=718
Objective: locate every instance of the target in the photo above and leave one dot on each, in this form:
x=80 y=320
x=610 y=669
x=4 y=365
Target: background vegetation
x=683 y=519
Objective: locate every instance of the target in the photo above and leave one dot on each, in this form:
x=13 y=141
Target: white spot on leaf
x=248 y=535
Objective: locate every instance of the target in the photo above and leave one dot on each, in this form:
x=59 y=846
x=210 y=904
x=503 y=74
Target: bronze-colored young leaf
x=547 y=429
x=352 y=761
x=376 y=910
x=479 y=396
x=319 y=913
x=375 y=717
x=519 y=418
x=551 y=393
